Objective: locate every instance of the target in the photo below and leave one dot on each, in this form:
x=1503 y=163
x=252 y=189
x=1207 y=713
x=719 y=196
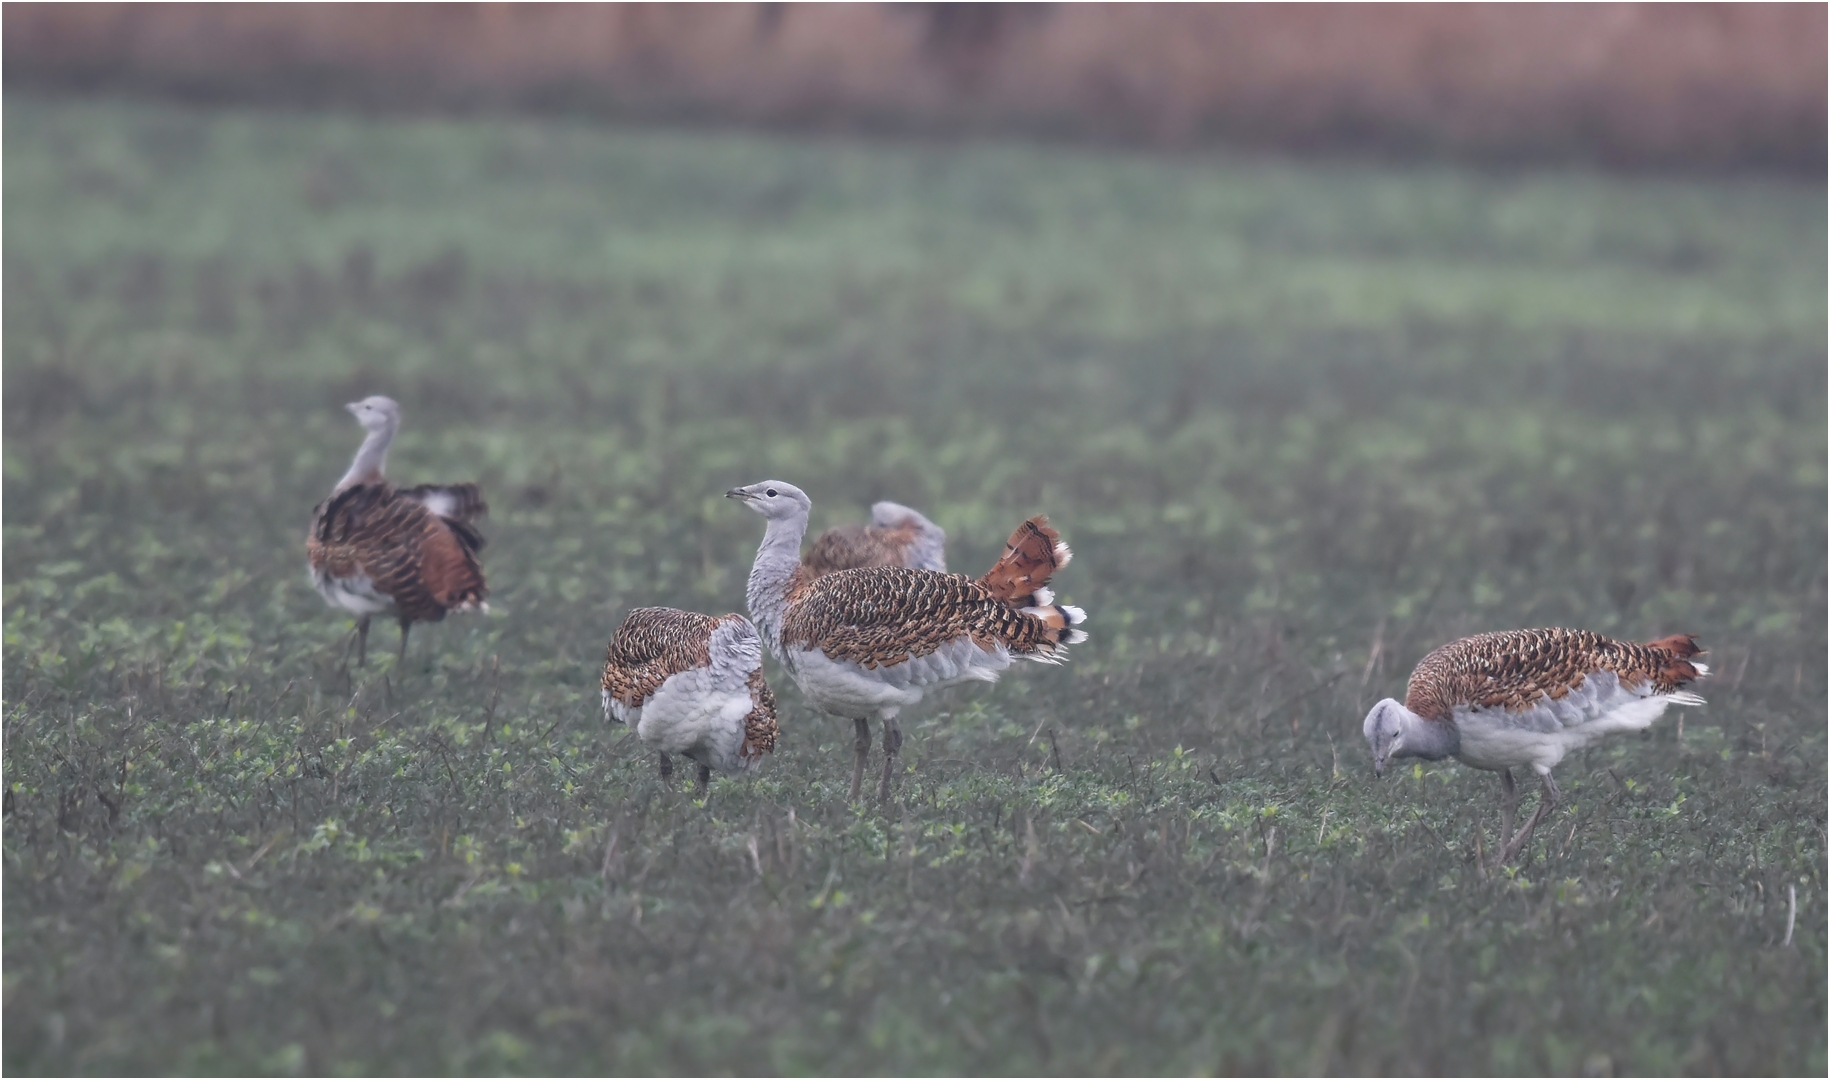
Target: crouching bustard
x=1520 y=698
x=693 y=685
x=870 y=641
x=411 y=553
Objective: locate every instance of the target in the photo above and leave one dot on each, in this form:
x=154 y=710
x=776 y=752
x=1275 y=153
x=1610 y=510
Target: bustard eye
x=770 y=493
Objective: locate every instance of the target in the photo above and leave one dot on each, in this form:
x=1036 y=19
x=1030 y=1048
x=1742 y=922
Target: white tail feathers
x=1063 y=555
x=1702 y=668
x=1685 y=697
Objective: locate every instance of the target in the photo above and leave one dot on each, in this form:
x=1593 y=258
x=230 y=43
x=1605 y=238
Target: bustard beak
x=1378 y=766
x=353 y=406
x=737 y=493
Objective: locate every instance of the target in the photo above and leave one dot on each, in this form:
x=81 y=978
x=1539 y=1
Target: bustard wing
x=425 y=564
x=655 y=643
x=883 y=615
x=1519 y=669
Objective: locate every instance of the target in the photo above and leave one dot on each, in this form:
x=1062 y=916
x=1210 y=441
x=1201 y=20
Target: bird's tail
x=1678 y=668
x=1020 y=578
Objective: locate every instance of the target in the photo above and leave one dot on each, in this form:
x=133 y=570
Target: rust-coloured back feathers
x=1515 y=669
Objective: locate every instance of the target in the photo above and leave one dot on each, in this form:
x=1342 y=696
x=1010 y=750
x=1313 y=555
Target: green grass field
x=1282 y=411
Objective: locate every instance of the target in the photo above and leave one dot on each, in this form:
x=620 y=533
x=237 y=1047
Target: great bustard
x=693 y=685
x=869 y=642
x=896 y=536
x=1527 y=697
x=375 y=549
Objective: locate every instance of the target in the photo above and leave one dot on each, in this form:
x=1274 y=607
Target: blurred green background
x=1301 y=422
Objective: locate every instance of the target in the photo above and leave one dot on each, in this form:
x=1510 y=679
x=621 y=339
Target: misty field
x=1301 y=422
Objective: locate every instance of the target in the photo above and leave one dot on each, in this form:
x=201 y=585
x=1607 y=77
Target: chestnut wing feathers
x=425 y=563
x=884 y=615
x=1515 y=669
x=652 y=644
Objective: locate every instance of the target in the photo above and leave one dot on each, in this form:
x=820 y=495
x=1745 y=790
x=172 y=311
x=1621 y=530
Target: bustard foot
x=861 y=748
x=705 y=781
x=667 y=768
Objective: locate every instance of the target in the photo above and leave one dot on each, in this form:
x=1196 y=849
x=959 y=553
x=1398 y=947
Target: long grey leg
x=1509 y=804
x=892 y=746
x=861 y=748
x=705 y=780
x=667 y=768
x=404 y=624
x=1548 y=798
x=362 y=641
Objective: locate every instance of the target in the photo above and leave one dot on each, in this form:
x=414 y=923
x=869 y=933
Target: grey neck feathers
x=370 y=461
x=776 y=561
x=1428 y=739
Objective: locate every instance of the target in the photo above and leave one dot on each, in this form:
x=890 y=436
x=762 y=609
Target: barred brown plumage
x=376 y=549
x=1504 y=700
x=691 y=684
x=888 y=614
x=870 y=641
x=1514 y=669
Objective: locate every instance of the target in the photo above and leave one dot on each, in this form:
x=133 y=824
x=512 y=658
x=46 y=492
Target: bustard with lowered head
x=691 y=684
x=1519 y=698
x=869 y=642
x=896 y=536
x=411 y=553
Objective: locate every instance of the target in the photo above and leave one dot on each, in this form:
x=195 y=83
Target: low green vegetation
x=1300 y=422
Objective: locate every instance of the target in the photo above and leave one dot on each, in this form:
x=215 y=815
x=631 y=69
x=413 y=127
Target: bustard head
x=376 y=413
x=773 y=499
x=1384 y=733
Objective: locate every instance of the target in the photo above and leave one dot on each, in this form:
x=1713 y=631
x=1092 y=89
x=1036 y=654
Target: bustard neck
x=776 y=560
x=371 y=460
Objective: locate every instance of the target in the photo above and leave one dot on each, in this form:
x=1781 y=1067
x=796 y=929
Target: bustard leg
x=892 y=745
x=667 y=768
x=861 y=748
x=1548 y=798
x=1509 y=804
x=404 y=624
x=362 y=641
x=705 y=780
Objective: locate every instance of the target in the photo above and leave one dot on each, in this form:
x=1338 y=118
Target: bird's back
x=653 y=644
x=424 y=563
x=1520 y=669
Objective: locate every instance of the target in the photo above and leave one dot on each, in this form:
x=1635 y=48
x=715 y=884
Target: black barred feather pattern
x=424 y=564
x=1515 y=669
x=884 y=615
x=653 y=643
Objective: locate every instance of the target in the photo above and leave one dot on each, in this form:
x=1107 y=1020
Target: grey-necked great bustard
x=693 y=685
x=1520 y=698
x=896 y=536
x=411 y=553
x=871 y=641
